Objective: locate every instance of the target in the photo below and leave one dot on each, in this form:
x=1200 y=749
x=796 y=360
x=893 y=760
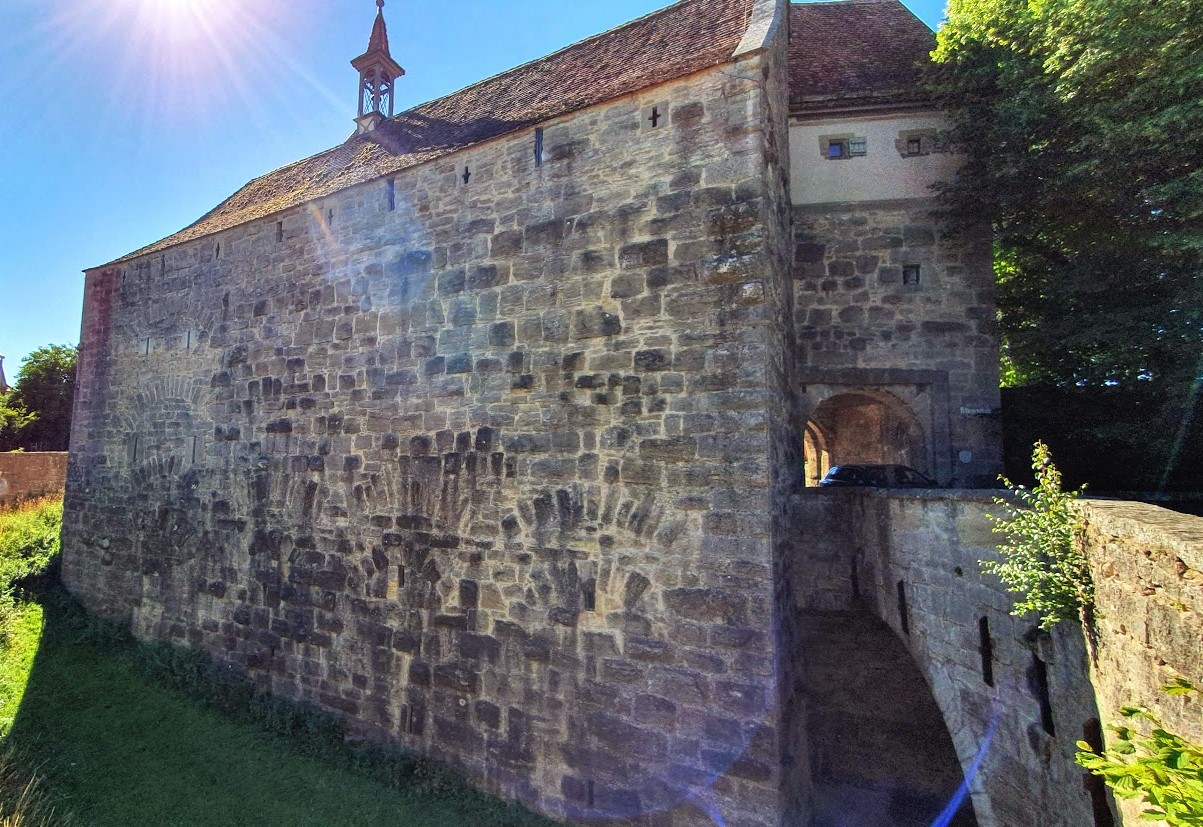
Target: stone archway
x=864 y=426
x=818 y=457
x=880 y=752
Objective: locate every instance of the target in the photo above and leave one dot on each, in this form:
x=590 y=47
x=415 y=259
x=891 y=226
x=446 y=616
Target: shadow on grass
x=118 y=748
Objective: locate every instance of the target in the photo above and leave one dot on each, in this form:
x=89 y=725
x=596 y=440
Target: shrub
x=1041 y=561
x=1153 y=764
x=29 y=546
x=29 y=539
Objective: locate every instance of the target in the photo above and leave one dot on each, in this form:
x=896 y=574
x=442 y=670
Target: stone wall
x=931 y=345
x=26 y=476
x=912 y=560
x=493 y=473
x=1147 y=564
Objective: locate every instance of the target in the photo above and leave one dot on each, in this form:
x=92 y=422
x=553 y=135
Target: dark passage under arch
x=863 y=426
x=880 y=752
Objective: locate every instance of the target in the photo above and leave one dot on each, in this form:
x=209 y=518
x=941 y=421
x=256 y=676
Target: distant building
x=479 y=427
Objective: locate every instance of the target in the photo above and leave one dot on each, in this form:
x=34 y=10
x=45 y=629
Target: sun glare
x=184 y=59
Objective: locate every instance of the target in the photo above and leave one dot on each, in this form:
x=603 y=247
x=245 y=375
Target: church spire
x=3 y=381
x=377 y=74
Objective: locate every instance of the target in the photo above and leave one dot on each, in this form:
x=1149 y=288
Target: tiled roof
x=686 y=37
x=855 y=51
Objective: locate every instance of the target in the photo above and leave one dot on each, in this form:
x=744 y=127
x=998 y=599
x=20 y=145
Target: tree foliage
x=1150 y=763
x=39 y=405
x=13 y=419
x=1041 y=560
x=1083 y=122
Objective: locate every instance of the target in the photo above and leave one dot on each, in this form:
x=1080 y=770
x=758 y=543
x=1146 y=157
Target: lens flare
x=186 y=61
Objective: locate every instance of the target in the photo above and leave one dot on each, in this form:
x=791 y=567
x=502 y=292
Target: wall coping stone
x=1150 y=525
x=976 y=495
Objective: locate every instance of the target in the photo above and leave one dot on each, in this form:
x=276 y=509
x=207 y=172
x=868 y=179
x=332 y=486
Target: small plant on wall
x=1149 y=763
x=1040 y=560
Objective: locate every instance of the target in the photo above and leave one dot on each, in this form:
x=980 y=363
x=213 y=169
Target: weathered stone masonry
x=490 y=473
x=896 y=578
x=485 y=431
x=26 y=476
x=931 y=345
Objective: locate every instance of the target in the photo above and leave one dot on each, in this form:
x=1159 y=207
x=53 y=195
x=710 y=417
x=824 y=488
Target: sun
x=181 y=58
x=184 y=62
x=185 y=21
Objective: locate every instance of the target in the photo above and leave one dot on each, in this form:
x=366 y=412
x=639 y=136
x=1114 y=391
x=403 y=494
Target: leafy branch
x=1041 y=561
x=1159 y=767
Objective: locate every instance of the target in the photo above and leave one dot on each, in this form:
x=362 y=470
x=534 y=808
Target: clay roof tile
x=856 y=51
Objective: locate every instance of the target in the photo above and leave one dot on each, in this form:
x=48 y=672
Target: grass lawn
x=115 y=749
x=16 y=660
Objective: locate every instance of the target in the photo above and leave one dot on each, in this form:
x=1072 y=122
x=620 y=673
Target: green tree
x=13 y=419
x=45 y=389
x=1083 y=123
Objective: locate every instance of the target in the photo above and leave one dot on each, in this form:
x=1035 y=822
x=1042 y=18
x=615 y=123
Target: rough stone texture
x=933 y=346
x=26 y=476
x=493 y=474
x=1147 y=564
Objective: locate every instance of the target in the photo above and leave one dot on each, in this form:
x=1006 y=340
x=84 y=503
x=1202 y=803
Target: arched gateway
x=863 y=426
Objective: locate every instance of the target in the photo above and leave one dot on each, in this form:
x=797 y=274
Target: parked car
x=877 y=476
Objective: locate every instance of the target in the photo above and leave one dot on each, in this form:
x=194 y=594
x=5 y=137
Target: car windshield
x=877 y=476
x=908 y=476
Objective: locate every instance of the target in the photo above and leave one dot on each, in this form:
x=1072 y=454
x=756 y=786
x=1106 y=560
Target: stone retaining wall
x=26 y=476
x=911 y=558
x=1147 y=564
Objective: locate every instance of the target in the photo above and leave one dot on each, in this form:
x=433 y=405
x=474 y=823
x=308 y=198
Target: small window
x=392 y=194
x=912 y=143
x=839 y=147
x=912 y=274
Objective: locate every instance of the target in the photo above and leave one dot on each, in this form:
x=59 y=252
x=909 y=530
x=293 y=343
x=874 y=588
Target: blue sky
x=122 y=121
